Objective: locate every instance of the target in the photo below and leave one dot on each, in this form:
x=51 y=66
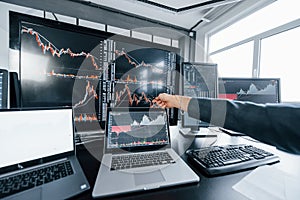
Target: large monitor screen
x=60 y=65
x=199 y=80
x=140 y=74
x=257 y=90
x=69 y=65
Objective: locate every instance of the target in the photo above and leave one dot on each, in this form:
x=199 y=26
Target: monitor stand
x=198 y=132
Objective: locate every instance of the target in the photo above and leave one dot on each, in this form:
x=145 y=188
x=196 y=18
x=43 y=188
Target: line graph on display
x=269 y=89
x=132 y=61
x=50 y=47
x=86 y=118
x=134 y=80
x=144 y=131
x=144 y=124
x=133 y=99
x=72 y=76
x=90 y=93
x=128 y=79
x=146 y=120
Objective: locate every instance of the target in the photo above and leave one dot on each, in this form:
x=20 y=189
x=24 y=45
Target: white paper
x=269 y=183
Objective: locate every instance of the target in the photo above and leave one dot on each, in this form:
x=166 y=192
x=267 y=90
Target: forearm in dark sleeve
x=273 y=124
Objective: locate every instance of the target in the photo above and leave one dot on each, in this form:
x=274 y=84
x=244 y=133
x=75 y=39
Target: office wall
x=200 y=54
x=6 y=56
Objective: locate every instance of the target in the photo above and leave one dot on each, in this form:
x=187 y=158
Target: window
x=162 y=40
x=268 y=40
x=119 y=31
x=142 y=36
x=235 y=62
x=175 y=43
x=276 y=14
x=93 y=25
x=280 y=58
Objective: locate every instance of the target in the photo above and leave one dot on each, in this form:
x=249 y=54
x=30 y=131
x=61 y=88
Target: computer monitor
x=141 y=71
x=198 y=80
x=63 y=64
x=3 y=88
x=60 y=65
x=257 y=90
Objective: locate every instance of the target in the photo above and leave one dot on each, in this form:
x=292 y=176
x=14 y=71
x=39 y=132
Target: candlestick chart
x=62 y=68
x=141 y=74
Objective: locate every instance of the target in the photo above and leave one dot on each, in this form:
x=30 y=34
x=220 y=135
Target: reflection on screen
x=134 y=129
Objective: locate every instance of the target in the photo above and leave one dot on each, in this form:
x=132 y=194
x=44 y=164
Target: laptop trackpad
x=35 y=194
x=148 y=178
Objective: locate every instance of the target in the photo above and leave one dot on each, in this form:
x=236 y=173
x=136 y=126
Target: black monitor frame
x=4 y=89
x=208 y=92
x=248 y=81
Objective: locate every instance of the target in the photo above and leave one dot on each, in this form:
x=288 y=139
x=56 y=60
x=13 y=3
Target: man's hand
x=164 y=100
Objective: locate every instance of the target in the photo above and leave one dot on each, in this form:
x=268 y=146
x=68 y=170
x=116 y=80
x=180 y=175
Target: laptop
x=138 y=154
x=37 y=154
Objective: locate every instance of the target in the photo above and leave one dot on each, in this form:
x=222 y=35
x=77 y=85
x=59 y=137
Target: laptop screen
x=32 y=134
x=137 y=128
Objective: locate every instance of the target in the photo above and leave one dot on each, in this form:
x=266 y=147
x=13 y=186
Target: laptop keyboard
x=20 y=182
x=140 y=160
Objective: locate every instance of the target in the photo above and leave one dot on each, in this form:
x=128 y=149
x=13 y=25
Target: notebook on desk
x=138 y=154
x=37 y=154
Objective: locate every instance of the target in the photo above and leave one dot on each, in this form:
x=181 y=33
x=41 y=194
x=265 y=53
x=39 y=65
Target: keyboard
x=33 y=178
x=217 y=160
x=140 y=160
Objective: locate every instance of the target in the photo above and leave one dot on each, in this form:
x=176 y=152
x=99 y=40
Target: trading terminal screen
x=137 y=129
x=257 y=90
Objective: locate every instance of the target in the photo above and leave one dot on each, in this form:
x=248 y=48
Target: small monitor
x=3 y=88
x=257 y=90
x=198 y=80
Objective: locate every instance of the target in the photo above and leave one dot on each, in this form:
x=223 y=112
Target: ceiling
x=187 y=14
x=178 y=16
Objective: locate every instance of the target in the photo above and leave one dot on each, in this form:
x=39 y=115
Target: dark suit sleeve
x=274 y=124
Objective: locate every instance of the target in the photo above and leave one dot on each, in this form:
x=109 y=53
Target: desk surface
x=89 y=155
